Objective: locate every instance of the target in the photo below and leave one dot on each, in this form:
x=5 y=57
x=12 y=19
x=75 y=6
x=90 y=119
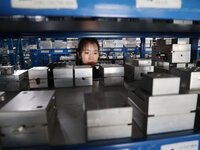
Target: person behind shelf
x=88 y=51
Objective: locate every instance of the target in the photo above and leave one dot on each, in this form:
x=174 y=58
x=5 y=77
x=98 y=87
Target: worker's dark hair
x=81 y=45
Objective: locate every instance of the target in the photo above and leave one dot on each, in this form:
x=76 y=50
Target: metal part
x=113 y=74
x=167 y=112
x=141 y=62
x=15 y=82
x=28 y=119
x=83 y=75
x=2 y=98
x=108 y=115
x=38 y=77
x=161 y=83
x=190 y=77
x=63 y=76
x=136 y=72
x=6 y=70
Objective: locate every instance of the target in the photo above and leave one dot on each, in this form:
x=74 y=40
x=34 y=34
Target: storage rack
x=123 y=18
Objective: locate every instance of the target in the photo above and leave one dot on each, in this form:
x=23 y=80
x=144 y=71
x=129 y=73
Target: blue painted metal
x=142 y=52
x=110 y=8
x=149 y=143
x=11 y=51
x=21 y=54
x=194 y=47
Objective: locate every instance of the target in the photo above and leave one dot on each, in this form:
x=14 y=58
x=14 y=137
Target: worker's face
x=90 y=54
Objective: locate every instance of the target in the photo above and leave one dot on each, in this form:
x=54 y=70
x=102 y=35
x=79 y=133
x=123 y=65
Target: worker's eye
x=86 y=52
x=95 y=53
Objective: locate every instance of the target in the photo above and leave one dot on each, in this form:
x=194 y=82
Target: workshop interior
x=142 y=93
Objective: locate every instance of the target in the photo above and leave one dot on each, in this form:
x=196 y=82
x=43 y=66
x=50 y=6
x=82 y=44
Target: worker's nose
x=91 y=56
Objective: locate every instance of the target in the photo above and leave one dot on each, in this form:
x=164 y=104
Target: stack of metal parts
x=108 y=115
x=28 y=119
x=158 y=107
x=190 y=82
x=2 y=98
x=83 y=75
x=38 y=77
x=14 y=82
x=6 y=70
x=138 y=67
x=113 y=74
x=63 y=76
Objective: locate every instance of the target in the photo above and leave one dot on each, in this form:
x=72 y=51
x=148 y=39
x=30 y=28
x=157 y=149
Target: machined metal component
x=108 y=115
x=141 y=62
x=28 y=119
x=113 y=74
x=83 y=75
x=2 y=98
x=63 y=76
x=6 y=70
x=166 y=113
x=161 y=83
x=190 y=77
x=15 y=82
x=38 y=77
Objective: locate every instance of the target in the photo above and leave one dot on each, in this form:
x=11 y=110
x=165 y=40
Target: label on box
x=190 y=145
x=45 y=51
x=71 y=50
x=158 y=3
x=44 y=4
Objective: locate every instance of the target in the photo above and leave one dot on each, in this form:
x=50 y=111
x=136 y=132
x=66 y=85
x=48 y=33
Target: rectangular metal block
x=38 y=83
x=190 y=77
x=180 y=57
x=140 y=71
x=109 y=132
x=164 y=104
x=113 y=81
x=161 y=83
x=112 y=70
x=63 y=72
x=6 y=70
x=141 y=62
x=14 y=85
x=181 y=47
x=17 y=76
x=84 y=71
x=163 y=123
x=38 y=72
x=84 y=81
x=108 y=115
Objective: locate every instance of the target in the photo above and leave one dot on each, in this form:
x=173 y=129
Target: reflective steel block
x=63 y=76
x=108 y=115
x=28 y=119
x=190 y=77
x=83 y=75
x=161 y=83
x=38 y=77
x=2 y=98
x=141 y=62
x=167 y=113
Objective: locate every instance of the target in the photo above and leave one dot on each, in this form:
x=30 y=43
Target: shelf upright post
x=11 y=51
x=142 y=48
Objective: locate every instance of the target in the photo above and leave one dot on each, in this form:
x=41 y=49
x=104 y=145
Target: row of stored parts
x=108 y=115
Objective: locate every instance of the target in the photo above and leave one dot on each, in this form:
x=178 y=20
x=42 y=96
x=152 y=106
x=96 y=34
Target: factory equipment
x=6 y=70
x=161 y=109
x=138 y=67
x=28 y=119
x=83 y=75
x=38 y=77
x=107 y=115
x=63 y=76
x=113 y=74
x=14 y=82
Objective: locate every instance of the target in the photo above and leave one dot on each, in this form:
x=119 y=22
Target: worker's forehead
x=92 y=46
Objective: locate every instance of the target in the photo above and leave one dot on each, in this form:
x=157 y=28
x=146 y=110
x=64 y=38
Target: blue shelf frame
x=189 y=10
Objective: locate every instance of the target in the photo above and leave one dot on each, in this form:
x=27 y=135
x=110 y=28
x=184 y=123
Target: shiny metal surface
x=190 y=77
x=6 y=70
x=163 y=123
x=180 y=57
x=82 y=71
x=84 y=81
x=163 y=104
x=18 y=75
x=2 y=98
x=28 y=119
x=38 y=83
x=37 y=72
x=105 y=114
x=112 y=70
x=63 y=82
x=141 y=62
x=161 y=83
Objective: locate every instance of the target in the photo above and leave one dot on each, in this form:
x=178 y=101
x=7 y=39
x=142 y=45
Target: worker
x=88 y=51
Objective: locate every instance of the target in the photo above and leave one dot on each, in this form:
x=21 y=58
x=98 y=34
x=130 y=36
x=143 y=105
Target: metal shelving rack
x=102 y=19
